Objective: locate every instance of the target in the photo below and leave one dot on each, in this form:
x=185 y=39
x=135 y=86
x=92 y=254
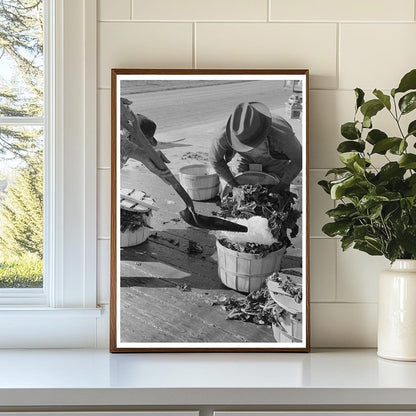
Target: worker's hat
x=248 y=125
x=148 y=127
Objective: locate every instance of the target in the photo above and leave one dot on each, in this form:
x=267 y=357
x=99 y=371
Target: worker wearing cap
x=258 y=138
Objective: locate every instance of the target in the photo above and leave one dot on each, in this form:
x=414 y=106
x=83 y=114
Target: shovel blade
x=211 y=223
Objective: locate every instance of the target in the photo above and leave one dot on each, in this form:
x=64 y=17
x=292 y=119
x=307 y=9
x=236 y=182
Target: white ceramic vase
x=397 y=312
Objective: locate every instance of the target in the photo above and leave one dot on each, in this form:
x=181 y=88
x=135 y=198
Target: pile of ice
x=258 y=232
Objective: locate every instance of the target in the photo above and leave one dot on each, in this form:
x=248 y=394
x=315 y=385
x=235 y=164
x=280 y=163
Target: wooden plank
x=137 y=197
x=150 y=257
x=189 y=311
x=132 y=206
x=170 y=318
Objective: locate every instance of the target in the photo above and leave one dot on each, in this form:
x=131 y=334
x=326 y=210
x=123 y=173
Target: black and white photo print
x=209 y=211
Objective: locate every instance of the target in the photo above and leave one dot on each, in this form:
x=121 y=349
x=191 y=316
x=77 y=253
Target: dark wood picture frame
x=287 y=76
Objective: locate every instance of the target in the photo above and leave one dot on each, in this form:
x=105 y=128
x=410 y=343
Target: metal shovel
x=129 y=121
x=197 y=220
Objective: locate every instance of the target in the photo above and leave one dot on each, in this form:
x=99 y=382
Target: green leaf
x=408 y=161
x=375 y=136
x=338 y=171
x=359 y=95
x=393 y=250
x=367 y=122
x=368 y=248
x=393 y=92
x=349 y=131
x=349 y=146
x=361 y=231
x=408 y=82
x=385 y=99
x=375 y=211
x=325 y=186
x=407 y=240
x=336 y=228
x=338 y=190
x=411 y=130
x=346 y=242
x=342 y=211
x=385 y=144
x=371 y=108
x=369 y=201
x=359 y=165
x=391 y=170
x=408 y=102
x=398 y=149
x=348 y=158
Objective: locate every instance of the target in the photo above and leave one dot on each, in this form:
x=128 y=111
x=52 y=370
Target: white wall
x=345 y=44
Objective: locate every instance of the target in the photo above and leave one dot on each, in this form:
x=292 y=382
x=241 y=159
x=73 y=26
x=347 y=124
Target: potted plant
x=376 y=207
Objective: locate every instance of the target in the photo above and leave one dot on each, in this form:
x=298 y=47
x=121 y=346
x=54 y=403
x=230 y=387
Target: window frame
x=67 y=303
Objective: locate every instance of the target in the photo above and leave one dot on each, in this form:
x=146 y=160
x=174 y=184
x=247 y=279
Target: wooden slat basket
x=246 y=272
x=289 y=326
x=139 y=236
x=200 y=181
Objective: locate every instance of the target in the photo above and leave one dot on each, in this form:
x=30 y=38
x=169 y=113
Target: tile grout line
x=194 y=63
x=336 y=271
x=343 y=303
x=322 y=237
x=338 y=56
x=269 y=10
x=308 y=22
x=131 y=9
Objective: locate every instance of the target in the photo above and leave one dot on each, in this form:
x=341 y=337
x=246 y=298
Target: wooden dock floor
x=154 y=307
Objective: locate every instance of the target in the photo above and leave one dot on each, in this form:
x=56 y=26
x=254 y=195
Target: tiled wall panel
x=200 y=10
x=104 y=128
x=350 y=325
x=357 y=10
x=319 y=203
x=271 y=45
x=376 y=55
x=142 y=45
x=114 y=10
x=323 y=269
x=345 y=44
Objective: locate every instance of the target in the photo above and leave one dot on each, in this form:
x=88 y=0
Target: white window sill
x=41 y=327
x=331 y=378
x=36 y=312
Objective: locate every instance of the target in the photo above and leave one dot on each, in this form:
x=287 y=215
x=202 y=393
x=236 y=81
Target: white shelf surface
x=96 y=377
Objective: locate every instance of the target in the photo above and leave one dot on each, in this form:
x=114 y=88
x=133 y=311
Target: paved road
x=189 y=107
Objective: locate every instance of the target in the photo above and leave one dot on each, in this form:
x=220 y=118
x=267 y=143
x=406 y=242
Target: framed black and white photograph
x=209 y=211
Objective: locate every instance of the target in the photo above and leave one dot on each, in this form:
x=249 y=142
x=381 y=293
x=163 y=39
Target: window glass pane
x=21 y=146
x=21 y=58
x=21 y=208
